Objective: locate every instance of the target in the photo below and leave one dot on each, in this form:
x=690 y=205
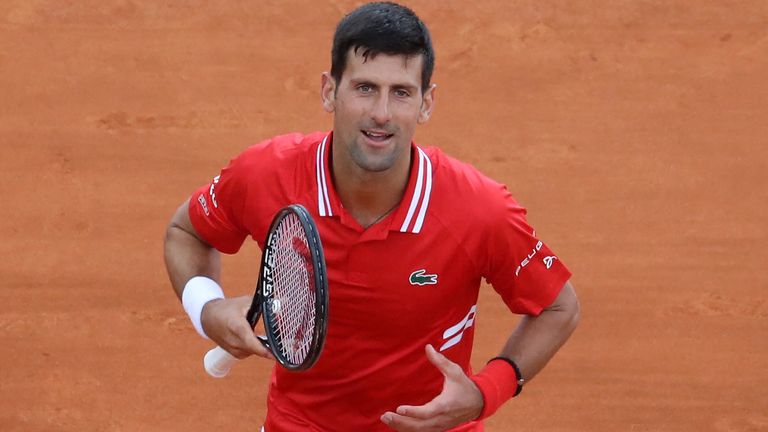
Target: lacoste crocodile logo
x=419 y=278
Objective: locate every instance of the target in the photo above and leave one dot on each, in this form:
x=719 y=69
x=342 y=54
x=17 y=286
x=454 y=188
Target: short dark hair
x=382 y=27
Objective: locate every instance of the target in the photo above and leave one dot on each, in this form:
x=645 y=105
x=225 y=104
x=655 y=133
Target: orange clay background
x=635 y=133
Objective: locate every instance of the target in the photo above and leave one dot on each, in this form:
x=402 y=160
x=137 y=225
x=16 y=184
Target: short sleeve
x=216 y=209
x=243 y=198
x=521 y=268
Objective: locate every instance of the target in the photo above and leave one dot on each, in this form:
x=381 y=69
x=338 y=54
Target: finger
x=244 y=352
x=441 y=362
x=429 y=410
x=406 y=424
x=243 y=342
x=254 y=346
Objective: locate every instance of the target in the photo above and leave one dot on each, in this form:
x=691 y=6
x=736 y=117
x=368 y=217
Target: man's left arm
x=532 y=344
x=536 y=339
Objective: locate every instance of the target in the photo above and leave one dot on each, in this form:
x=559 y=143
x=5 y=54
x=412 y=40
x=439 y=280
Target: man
x=408 y=234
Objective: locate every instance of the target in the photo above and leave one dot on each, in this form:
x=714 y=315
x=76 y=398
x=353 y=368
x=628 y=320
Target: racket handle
x=218 y=362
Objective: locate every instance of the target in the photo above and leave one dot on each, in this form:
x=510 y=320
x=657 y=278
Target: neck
x=370 y=196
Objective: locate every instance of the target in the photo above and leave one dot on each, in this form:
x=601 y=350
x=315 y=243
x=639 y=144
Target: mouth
x=378 y=137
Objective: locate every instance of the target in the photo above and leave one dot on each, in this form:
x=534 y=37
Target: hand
x=224 y=322
x=459 y=402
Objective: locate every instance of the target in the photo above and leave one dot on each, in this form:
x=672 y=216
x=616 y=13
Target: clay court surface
x=635 y=133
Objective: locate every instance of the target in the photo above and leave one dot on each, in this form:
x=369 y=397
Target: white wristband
x=197 y=292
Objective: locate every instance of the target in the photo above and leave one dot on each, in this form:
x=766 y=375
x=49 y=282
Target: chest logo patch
x=419 y=277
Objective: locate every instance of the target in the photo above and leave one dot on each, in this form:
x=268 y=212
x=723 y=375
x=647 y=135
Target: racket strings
x=292 y=306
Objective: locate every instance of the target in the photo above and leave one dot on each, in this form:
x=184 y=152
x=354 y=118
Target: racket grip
x=218 y=362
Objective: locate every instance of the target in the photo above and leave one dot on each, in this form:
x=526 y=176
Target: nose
x=380 y=112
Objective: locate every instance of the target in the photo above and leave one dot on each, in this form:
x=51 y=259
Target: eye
x=365 y=88
x=402 y=93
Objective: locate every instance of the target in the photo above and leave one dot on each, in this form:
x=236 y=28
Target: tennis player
x=408 y=232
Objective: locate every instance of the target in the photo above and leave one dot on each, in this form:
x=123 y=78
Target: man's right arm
x=186 y=254
x=223 y=320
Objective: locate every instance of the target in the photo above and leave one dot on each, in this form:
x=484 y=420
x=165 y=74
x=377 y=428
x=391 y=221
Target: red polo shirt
x=409 y=280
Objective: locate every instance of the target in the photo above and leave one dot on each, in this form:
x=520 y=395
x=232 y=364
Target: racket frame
x=320 y=282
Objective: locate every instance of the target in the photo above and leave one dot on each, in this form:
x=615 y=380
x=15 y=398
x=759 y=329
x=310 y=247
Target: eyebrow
x=358 y=81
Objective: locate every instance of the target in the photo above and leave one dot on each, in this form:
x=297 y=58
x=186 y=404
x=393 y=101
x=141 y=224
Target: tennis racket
x=291 y=294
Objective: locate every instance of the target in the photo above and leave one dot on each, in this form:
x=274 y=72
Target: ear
x=328 y=92
x=427 y=104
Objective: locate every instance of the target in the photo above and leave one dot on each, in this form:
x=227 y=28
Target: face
x=376 y=106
